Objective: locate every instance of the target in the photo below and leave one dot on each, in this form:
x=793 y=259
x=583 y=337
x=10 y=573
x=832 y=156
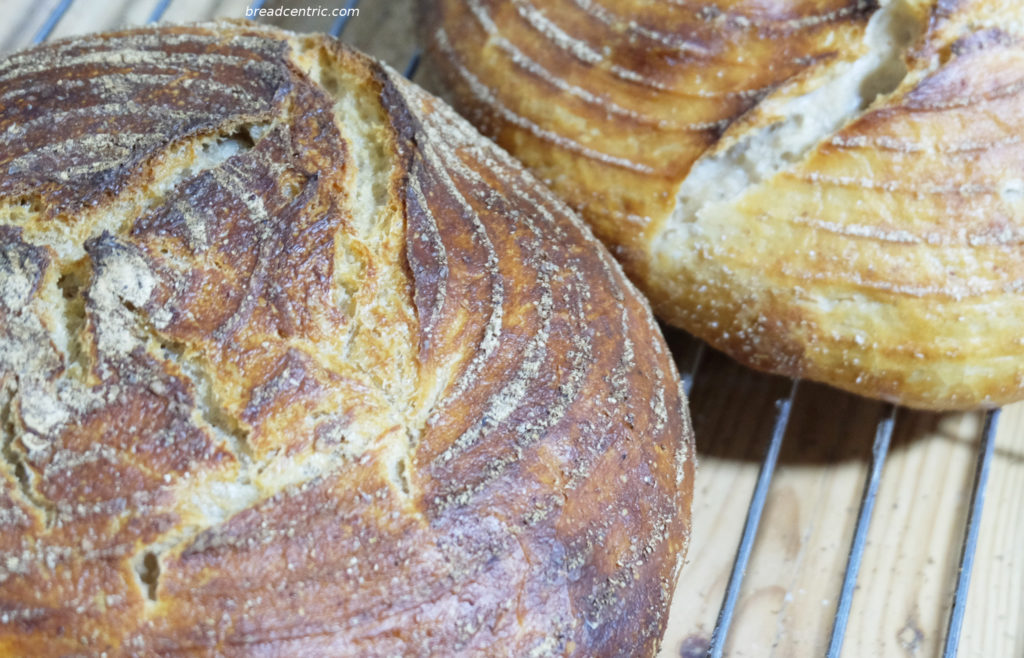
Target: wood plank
x=192 y=11
x=789 y=598
x=994 y=623
x=84 y=16
x=21 y=20
x=733 y=431
x=911 y=562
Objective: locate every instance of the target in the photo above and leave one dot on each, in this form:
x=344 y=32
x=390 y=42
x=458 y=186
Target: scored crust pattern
x=293 y=361
x=826 y=189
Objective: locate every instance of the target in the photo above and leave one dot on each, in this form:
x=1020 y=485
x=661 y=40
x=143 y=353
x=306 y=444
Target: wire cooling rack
x=694 y=355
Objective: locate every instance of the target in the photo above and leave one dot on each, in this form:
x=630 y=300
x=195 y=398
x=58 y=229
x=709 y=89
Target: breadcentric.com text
x=308 y=11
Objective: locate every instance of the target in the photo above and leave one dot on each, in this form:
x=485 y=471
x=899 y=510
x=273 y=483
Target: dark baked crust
x=882 y=259
x=254 y=405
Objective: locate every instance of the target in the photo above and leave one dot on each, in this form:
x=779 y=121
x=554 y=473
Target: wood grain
x=21 y=21
x=789 y=596
x=995 y=610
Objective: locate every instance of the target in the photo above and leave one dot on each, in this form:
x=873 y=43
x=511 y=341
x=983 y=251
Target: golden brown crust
x=880 y=259
x=612 y=104
x=316 y=371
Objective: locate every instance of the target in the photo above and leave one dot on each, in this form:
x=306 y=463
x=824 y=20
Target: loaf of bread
x=830 y=189
x=293 y=362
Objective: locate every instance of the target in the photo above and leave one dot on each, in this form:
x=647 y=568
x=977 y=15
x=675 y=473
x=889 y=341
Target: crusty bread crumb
x=823 y=190
x=292 y=361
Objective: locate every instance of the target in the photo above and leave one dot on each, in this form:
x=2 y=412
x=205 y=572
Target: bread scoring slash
x=827 y=189
x=292 y=361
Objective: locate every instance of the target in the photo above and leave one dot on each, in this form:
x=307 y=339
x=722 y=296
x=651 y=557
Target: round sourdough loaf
x=831 y=189
x=294 y=362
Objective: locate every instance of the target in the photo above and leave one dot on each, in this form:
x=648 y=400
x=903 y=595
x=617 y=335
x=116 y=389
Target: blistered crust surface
x=882 y=258
x=293 y=362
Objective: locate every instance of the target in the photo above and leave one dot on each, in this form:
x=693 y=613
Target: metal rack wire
x=883 y=435
x=880 y=449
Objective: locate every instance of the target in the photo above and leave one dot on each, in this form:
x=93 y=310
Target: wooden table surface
x=788 y=600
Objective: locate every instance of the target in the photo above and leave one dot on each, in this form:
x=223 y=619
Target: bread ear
x=807 y=109
x=787 y=183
